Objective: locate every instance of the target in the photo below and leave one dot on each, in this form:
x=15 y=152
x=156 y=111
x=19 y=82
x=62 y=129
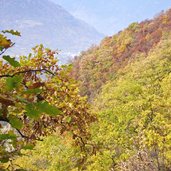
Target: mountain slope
x=42 y=21
x=134 y=115
x=130 y=76
x=95 y=67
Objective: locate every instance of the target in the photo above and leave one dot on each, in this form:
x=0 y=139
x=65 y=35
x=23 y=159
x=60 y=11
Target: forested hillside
x=124 y=123
x=133 y=110
x=101 y=63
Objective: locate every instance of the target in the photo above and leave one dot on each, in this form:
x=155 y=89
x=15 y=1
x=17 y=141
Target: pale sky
x=110 y=16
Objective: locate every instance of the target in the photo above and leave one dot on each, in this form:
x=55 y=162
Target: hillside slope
x=100 y=63
x=128 y=81
x=42 y=21
x=134 y=115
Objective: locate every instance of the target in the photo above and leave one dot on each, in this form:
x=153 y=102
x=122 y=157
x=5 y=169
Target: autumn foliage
x=37 y=98
x=124 y=127
x=99 y=64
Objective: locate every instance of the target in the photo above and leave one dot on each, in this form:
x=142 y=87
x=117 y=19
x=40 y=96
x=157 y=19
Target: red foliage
x=105 y=60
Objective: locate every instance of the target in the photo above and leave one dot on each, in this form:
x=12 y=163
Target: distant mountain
x=42 y=21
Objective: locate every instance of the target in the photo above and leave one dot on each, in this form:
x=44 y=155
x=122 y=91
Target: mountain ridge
x=48 y=23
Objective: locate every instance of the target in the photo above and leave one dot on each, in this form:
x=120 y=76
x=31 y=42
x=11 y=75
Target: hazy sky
x=110 y=16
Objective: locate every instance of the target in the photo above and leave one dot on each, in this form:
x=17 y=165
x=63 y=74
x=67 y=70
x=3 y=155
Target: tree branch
x=26 y=71
x=2 y=119
x=26 y=137
x=3 y=51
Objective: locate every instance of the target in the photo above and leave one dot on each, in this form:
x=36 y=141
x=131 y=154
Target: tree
x=37 y=97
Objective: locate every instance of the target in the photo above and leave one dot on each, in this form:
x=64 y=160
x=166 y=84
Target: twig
x=3 y=51
x=26 y=71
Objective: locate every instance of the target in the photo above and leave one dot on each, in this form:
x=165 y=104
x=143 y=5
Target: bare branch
x=26 y=71
x=26 y=137
x=3 y=51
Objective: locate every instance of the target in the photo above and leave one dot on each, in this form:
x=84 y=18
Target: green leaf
x=15 y=122
x=28 y=147
x=4 y=160
x=33 y=91
x=13 y=32
x=45 y=107
x=21 y=99
x=33 y=111
x=7 y=136
x=11 y=61
x=13 y=82
x=68 y=119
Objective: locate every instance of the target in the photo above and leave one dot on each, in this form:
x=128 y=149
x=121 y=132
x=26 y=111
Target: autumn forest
x=109 y=109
